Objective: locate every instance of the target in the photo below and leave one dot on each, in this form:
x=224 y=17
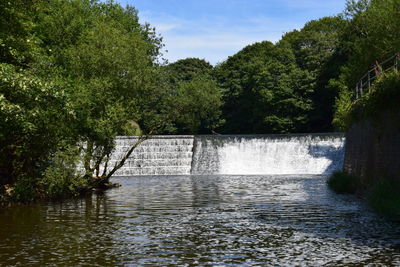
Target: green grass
x=342 y=183
x=384 y=198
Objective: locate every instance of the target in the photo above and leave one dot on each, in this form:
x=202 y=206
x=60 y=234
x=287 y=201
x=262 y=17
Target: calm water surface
x=201 y=220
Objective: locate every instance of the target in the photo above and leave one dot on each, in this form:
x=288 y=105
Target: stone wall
x=373 y=148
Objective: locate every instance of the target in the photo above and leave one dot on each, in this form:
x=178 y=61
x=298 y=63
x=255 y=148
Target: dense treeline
x=76 y=73
x=282 y=88
x=306 y=81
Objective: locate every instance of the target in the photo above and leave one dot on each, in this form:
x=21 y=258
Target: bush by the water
x=384 y=198
x=342 y=183
x=62 y=178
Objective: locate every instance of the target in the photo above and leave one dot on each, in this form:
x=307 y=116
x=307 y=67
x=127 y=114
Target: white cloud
x=214 y=47
x=166 y=27
x=213 y=40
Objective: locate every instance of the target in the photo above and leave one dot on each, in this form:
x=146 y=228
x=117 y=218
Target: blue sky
x=216 y=29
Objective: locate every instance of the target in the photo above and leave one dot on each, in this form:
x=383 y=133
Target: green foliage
x=72 y=73
x=369 y=36
x=384 y=95
x=33 y=114
x=131 y=128
x=24 y=190
x=343 y=106
x=194 y=100
x=18 y=46
x=77 y=73
x=384 y=198
x=316 y=42
x=107 y=59
x=317 y=50
x=196 y=105
x=62 y=178
x=188 y=69
x=343 y=183
x=284 y=87
x=264 y=90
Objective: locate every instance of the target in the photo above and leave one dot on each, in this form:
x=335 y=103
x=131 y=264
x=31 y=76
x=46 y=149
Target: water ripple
x=201 y=220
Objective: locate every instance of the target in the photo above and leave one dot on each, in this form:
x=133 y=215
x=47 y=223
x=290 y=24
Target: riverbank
x=382 y=196
x=372 y=151
x=32 y=190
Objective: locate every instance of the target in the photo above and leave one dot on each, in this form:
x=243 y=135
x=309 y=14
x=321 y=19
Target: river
x=201 y=220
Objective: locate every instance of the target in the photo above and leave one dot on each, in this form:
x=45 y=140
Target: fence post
x=361 y=84
x=357 y=91
x=369 y=81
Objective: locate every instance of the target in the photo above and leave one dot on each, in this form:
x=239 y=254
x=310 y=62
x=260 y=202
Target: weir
x=232 y=154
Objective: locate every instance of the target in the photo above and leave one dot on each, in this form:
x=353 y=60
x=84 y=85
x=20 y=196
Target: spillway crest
x=235 y=155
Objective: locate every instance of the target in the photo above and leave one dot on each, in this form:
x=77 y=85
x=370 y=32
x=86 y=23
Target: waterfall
x=159 y=155
x=268 y=154
x=236 y=155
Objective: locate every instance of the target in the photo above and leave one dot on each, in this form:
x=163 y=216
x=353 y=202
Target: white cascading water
x=234 y=155
x=159 y=155
x=268 y=154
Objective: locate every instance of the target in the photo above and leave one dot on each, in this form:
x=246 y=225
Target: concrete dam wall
x=373 y=148
x=232 y=154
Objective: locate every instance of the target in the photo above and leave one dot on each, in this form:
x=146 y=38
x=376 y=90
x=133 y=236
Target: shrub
x=384 y=198
x=343 y=104
x=342 y=183
x=24 y=190
x=384 y=95
x=62 y=177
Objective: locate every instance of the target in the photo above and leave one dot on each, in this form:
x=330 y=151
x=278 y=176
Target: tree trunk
x=127 y=155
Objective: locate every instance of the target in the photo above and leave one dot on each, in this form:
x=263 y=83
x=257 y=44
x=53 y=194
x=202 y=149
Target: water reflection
x=201 y=220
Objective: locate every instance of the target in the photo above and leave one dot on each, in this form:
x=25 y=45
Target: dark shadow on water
x=334 y=154
x=327 y=215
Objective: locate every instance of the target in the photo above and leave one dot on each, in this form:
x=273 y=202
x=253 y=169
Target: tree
x=34 y=110
x=73 y=74
x=188 y=69
x=317 y=50
x=34 y=115
x=194 y=101
x=108 y=58
x=18 y=46
x=265 y=91
x=196 y=105
x=370 y=36
x=375 y=38
x=233 y=77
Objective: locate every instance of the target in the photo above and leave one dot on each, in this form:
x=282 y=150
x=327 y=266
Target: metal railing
x=366 y=81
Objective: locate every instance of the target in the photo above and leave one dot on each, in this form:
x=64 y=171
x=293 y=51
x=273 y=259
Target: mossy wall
x=373 y=147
